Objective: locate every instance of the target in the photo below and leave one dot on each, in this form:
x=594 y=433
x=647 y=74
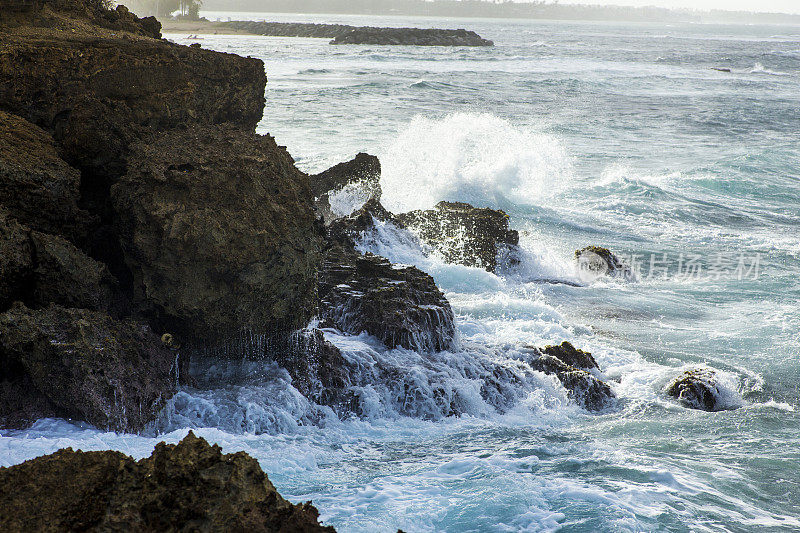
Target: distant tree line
x=189 y=9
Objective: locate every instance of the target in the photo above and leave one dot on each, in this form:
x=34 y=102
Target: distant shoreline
x=198 y=27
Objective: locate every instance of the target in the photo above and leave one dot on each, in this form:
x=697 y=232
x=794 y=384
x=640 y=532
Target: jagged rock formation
x=696 y=389
x=80 y=364
x=399 y=304
x=217 y=227
x=571 y=366
x=464 y=234
x=191 y=486
x=598 y=261
x=357 y=179
x=343 y=34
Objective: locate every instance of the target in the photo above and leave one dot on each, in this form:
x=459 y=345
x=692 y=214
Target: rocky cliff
x=135 y=197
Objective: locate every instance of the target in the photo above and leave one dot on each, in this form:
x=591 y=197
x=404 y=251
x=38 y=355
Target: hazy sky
x=779 y=6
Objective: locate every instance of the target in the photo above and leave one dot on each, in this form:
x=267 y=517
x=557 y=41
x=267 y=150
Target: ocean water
x=585 y=133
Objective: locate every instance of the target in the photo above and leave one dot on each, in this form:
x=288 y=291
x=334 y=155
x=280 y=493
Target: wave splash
x=476 y=158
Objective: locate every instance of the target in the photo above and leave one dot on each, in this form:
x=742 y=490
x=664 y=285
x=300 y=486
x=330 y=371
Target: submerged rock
x=595 y=261
x=346 y=186
x=191 y=486
x=697 y=389
x=80 y=364
x=218 y=231
x=464 y=234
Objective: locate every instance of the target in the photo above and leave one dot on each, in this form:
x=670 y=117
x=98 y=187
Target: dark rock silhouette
x=344 y=34
x=81 y=364
x=362 y=174
x=597 y=260
x=191 y=486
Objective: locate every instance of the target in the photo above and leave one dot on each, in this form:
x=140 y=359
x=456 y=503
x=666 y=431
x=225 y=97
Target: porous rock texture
x=191 y=486
x=464 y=234
x=218 y=230
x=696 y=389
x=81 y=364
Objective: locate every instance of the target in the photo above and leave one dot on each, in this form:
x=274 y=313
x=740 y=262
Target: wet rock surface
x=81 y=364
x=358 y=180
x=570 y=366
x=399 y=304
x=218 y=229
x=344 y=34
x=598 y=261
x=464 y=234
x=697 y=389
x=191 y=486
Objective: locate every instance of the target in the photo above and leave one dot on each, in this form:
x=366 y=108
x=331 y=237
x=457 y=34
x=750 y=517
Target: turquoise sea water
x=585 y=133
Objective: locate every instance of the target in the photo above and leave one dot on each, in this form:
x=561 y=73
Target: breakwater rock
x=344 y=34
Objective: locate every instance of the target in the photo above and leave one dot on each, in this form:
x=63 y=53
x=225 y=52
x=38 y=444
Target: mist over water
x=617 y=135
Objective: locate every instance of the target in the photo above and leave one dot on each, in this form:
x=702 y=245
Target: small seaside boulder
x=189 y=486
x=596 y=261
x=570 y=366
x=346 y=186
x=84 y=365
x=696 y=389
x=464 y=234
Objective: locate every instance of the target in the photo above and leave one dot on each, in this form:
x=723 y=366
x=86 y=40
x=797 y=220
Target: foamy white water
x=619 y=135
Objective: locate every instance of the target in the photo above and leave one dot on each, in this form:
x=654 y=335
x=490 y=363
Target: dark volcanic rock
x=399 y=304
x=568 y=364
x=38 y=268
x=360 y=177
x=16 y=261
x=570 y=355
x=99 y=89
x=81 y=364
x=464 y=234
x=697 y=389
x=37 y=187
x=356 y=224
x=597 y=261
x=191 y=486
x=343 y=34
x=218 y=230
x=411 y=37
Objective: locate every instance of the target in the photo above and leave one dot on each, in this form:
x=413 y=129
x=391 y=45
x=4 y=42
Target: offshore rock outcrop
x=357 y=181
x=598 y=261
x=464 y=234
x=697 y=389
x=411 y=37
x=344 y=34
x=80 y=364
x=191 y=486
x=571 y=366
x=211 y=255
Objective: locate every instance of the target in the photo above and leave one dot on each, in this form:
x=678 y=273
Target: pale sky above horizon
x=778 y=6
